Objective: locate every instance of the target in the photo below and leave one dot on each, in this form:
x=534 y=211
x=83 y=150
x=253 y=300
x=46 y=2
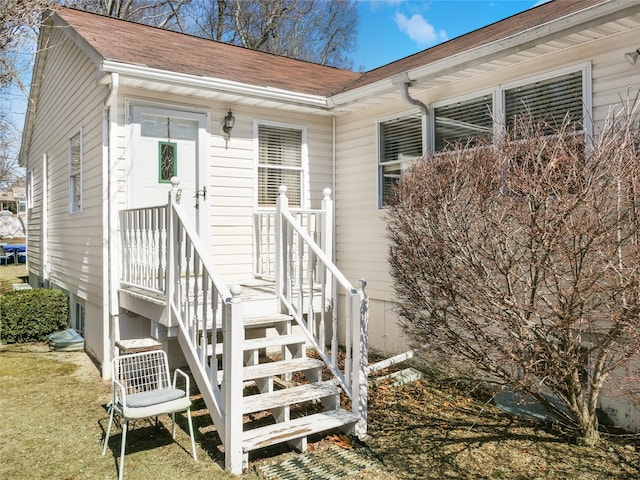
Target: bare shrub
x=522 y=259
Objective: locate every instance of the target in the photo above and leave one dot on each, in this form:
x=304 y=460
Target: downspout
x=334 y=252
x=403 y=80
x=404 y=90
x=111 y=278
x=333 y=178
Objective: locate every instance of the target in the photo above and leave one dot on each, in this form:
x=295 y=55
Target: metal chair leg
x=193 y=443
x=125 y=427
x=106 y=438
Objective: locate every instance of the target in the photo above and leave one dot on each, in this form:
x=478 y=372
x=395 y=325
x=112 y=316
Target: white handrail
x=300 y=262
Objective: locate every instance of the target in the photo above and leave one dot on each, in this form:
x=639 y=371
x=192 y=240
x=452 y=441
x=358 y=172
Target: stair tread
x=275 y=341
x=297 y=428
x=280 y=367
x=259 y=343
x=266 y=319
x=262 y=320
x=289 y=396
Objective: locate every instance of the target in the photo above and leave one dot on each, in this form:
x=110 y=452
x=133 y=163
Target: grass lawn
x=10 y=274
x=52 y=421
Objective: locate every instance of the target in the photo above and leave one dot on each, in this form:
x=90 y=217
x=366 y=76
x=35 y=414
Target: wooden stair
x=279 y=395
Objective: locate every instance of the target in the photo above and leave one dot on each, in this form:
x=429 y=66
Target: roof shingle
x=131 y=43
x=136 y=44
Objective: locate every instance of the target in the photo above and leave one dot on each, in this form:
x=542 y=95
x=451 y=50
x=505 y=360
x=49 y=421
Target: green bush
x=31 y=315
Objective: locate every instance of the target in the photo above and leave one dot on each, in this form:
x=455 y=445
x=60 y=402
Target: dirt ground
x=53 y=419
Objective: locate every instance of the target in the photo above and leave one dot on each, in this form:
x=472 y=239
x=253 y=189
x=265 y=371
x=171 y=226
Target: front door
x=165 y=144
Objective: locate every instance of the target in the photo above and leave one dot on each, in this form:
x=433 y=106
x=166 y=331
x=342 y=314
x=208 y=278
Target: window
x=549 y=100
x=76 y=311
x=465 y=122
x=75 y=173
x=400 y=142
x=30 y=188
x=280 y=162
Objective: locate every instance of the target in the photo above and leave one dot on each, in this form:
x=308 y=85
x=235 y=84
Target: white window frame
x=498 y=92
x=404 y=162
x=77 y=314
x=304 y=174
x=494 y=92
x=75 y=188
x=30 y=188
x=587 y=97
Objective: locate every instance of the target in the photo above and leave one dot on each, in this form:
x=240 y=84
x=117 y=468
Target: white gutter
x=571 y=23
x=214 y=84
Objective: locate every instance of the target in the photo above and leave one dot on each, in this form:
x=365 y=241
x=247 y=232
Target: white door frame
x=202 y=167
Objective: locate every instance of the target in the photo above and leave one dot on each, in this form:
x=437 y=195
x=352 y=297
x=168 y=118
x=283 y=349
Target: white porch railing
x=310 y=288
x=317 y=223
x=144 y=244
x=162 y=253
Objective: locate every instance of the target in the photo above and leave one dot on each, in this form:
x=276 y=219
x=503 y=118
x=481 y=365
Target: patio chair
x=5 y=255
x=142 y=389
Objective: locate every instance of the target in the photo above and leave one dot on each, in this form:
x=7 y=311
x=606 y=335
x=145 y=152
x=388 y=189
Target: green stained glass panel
x=167 y=161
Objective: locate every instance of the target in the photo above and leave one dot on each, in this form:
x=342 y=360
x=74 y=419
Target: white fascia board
x=591 y=16
x=210 y=83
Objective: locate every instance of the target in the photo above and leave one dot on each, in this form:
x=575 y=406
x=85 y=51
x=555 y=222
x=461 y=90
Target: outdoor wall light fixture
x=632 y=57
x=229 y=120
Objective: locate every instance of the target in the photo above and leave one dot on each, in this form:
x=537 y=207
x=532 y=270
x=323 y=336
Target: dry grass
x=436 y=429
x=53 y=421
x=10 y=274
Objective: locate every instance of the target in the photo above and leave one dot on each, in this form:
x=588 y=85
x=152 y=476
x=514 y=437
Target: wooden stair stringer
x=211 y=397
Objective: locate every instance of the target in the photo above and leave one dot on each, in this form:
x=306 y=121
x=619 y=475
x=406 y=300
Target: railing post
x=282 y=205
x=232 y=343
x=327 y=238
x=171 y=251
x=327 y=227
x=359 y=384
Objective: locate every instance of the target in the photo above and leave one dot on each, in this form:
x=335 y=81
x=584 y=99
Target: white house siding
x=70 y=99
x=361 y=244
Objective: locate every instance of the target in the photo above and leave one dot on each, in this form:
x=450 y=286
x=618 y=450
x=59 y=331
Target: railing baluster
x=213 y=362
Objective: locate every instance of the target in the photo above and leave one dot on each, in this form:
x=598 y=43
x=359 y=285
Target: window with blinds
x=75 y=173
x=400 y=142
x=549 y=101
x=463 y=123
x=279 y=163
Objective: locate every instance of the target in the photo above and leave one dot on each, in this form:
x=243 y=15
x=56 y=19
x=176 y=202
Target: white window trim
x=304 y=193
x=30 y=187
x=494 y=92
x=72 y=209
x=405 y=163
x=499 y=99
x=587 y=96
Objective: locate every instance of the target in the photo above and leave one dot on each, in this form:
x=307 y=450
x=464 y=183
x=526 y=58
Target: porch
x=297 y=300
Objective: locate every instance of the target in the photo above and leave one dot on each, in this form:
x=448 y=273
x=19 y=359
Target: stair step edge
x=297 y=428
x=259 y=343
x=289 y=396
x=258 y=321
x=276 y=341
x=280 y=367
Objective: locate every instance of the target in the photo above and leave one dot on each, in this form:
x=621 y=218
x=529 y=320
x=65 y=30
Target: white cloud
x=419 y=30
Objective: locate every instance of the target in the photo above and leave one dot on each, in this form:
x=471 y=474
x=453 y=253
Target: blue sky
x=393 y=29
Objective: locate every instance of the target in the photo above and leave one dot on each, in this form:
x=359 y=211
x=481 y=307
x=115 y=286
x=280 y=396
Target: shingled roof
x=130 y=43
x=142 y=45
x=497 y=31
